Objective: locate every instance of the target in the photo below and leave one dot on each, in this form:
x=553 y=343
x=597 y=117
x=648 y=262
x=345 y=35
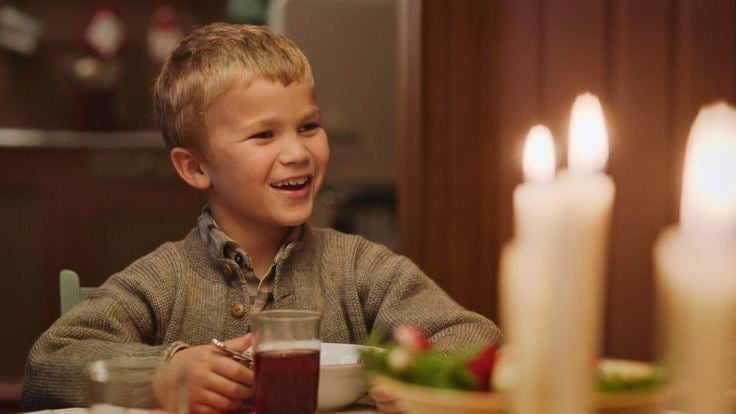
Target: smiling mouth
x=293 y=184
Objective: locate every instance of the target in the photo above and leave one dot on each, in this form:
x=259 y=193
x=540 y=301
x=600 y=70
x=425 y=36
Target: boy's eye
x=262 y=135
x=309 y=127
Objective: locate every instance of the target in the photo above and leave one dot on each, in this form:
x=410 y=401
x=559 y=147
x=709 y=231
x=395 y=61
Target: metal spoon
x=244 y=357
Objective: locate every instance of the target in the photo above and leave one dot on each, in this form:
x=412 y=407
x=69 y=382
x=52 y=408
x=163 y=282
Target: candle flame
x=709 y=183
x=588 y=140
x=539 y=155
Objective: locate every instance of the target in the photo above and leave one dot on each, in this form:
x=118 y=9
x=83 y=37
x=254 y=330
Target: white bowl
x=341 y=379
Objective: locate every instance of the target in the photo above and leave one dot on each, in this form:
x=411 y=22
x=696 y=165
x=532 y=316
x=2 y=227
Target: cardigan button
x=229 y=270
x=237 y=310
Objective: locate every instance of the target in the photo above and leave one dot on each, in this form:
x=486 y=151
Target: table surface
x=350 y=410
x=357 y=409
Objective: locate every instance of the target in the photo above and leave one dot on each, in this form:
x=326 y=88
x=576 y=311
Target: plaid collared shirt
x=224 y=247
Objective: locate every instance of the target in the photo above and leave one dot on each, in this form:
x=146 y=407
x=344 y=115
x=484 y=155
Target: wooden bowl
x=425 y=400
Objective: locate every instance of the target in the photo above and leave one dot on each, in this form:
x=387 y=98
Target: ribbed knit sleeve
x=123 y=318
x=393 y=290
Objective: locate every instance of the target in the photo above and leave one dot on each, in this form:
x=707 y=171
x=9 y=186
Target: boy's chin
x=293 y=223
x=296 y=219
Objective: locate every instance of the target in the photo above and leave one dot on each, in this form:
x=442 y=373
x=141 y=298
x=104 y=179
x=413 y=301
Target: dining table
x=354 y=409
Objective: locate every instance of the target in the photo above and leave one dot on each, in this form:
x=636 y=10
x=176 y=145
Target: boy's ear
x=189 y=167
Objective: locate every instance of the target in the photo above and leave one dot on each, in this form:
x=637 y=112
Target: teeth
x=291 y=182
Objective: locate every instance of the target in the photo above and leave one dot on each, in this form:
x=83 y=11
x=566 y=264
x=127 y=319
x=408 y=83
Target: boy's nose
x=294 y=151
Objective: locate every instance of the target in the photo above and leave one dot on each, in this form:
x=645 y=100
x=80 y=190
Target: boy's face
x=267 y=155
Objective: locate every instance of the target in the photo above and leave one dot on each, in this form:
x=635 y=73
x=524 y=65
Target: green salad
x=410 y=358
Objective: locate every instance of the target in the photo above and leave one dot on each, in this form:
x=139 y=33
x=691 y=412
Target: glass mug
x=128 y=385
x=286 y=345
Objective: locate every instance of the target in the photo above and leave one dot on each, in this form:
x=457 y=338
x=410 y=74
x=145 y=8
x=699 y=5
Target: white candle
x=527 y=272
x=581 y=267
x=696 y=265
x=552 y=274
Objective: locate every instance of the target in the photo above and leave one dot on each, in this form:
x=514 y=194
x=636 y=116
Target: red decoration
x=481 y=366
x=164 y=33
x=104 y=33
x=411 y=337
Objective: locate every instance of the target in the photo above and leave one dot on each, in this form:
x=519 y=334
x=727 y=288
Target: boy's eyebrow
x=266 y=122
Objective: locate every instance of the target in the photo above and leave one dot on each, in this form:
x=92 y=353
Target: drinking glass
x=128 y=385
x=286 y=345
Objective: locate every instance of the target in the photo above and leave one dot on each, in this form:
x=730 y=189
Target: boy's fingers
x=240 y=343
x=229 y=369
x=235 y=388
x=234 y=371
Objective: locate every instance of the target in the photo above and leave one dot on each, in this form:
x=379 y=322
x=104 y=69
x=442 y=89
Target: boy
x=237 y=109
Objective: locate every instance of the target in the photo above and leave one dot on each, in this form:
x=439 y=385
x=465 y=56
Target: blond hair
x=207 y=63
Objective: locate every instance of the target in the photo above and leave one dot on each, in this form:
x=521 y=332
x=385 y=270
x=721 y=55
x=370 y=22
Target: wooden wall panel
x=519 y=99
x=435 y=126
x=411 y=199
x=638 y=118
x=458 y=174
x=573 y=47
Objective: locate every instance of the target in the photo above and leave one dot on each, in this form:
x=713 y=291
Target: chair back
x=70 y=292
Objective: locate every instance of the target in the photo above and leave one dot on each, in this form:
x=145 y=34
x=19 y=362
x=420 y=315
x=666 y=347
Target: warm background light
x=709 y=183
x=539 y=155
x=588 y=139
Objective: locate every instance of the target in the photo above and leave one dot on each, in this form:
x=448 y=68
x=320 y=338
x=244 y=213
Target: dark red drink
x=286 y=381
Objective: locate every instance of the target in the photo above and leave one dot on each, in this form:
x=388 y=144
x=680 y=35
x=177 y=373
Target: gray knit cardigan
x=181 y=295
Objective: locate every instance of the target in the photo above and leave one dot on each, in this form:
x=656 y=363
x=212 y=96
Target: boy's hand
x=385 y=400
x=216 y=383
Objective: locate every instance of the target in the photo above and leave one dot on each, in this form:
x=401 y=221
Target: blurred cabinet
x=353 y=48
x=91 y=208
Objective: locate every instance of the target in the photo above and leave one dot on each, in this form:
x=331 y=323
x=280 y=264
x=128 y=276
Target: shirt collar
x=223 y=246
